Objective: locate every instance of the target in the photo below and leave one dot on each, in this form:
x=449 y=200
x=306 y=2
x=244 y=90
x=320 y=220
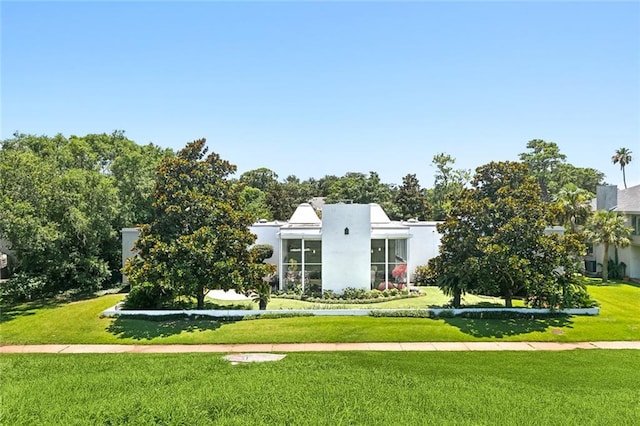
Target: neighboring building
x=5 y=255
x=627 y=202
x=354 y=245
x=129 y=237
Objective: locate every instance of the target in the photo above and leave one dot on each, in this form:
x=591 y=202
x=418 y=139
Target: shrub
x=403 y=313
x=349 y=293
x=329 y=294
x=375 y=294
x=261 y=252
x=147 y=296
x=22 y=287
x=562 y=293
x=425 y=275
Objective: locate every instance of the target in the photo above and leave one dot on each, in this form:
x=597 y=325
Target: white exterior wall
x=129 y=237
x=346 y=259
x=629 y=255
x=633 y=265
x=424 y=244
x=268 y=234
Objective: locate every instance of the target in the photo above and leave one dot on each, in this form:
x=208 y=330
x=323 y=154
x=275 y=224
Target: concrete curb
x=321 y=347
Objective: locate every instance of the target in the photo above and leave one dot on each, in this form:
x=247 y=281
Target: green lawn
x=345 y=388
x=433 y=297
x=79 y=322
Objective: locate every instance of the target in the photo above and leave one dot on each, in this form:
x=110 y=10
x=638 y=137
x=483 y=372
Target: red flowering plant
x=399 y=273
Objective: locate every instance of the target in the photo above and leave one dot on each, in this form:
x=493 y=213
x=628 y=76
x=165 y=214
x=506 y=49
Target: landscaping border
x=115 y=311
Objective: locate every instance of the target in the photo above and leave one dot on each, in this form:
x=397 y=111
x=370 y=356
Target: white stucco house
x=627 y=202
x=353 y=245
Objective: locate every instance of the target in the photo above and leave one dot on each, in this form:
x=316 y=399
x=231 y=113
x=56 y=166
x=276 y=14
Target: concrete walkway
x=320 y=347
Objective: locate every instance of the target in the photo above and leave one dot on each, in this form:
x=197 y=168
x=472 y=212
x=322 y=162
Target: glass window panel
x=397 y=251
x=292 y=249
x=313 y=279
x=312 y=252
x=377 y=251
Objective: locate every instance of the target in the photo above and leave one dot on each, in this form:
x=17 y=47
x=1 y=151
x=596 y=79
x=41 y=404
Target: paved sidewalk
x=321 y=347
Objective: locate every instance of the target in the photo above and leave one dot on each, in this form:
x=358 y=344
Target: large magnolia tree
x=494 y=241
x=199 y=236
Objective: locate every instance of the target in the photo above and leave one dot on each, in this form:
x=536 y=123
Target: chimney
x=606 y=197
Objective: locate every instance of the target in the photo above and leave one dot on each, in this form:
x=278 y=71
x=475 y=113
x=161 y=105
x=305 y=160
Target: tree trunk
x=263 y=304
x=624 y=179
x=508 y=303
x=200 y=297
x=605 y=263
x=457 y=297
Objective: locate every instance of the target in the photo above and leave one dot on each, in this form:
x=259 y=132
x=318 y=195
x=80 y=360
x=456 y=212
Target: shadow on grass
x=138 y=329
x=507 y=327
x=12 y=310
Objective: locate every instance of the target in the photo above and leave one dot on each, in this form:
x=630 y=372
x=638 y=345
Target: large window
x=302 y=266
x=635 y=224
x=388 y=263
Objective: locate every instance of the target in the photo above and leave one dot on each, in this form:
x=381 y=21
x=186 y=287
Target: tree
x=543 y=161
x=199 y=236
x=456 y=266
x=448 y=186
x=410 y=198
x=39 y=174
x=607 y=228
x=552 y=171
x=283 y=198
x=255 y=204
x=494 y=239
x=573 y=207
x=583 y=177
x=261 y=178
x=622 y=156
x=359 y=188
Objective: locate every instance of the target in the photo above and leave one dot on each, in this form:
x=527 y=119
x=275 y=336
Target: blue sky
x=315 y=88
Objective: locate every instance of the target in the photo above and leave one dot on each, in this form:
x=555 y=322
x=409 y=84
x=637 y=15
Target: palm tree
x=622 y=156
x=573 y=206
x=607 y=228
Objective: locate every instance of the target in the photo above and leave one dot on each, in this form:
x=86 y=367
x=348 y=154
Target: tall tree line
x=64 y=200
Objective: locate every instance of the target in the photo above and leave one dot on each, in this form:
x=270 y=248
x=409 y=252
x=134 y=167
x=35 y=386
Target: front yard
x=80 y=322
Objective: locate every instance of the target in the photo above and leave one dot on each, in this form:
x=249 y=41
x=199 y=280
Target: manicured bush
x=147 y=296
x=403 y=313
x=261 y=252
